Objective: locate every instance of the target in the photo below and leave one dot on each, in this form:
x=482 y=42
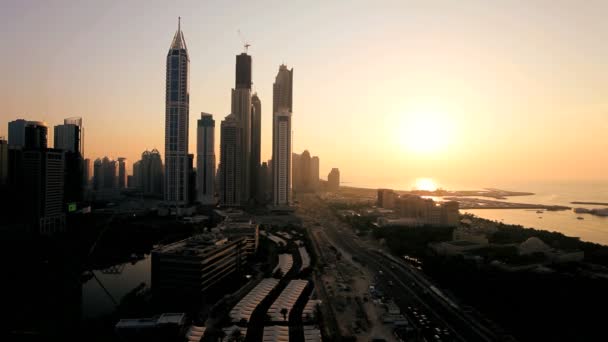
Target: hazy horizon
x=466 y=92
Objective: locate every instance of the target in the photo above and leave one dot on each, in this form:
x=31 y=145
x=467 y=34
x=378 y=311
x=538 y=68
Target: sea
x=591 y=228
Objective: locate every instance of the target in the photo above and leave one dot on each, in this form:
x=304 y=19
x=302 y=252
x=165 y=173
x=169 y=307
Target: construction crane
x=246 y=44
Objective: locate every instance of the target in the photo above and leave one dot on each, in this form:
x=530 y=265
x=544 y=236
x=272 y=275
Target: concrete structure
x=230 y=162
x=36 y=135
x=16 y=133
x=148 y=173
x=314 y=172
x=205 y=159
x=3 y=162
x=276 y=333
x=70 y=136
x=285 y=264
x=305 y=258
x=244 y=308
x=176 y=122
x=122 y=173
x=282 y=109
x=164 y=327
x=386 y=198
x=43 y=189
x=195 y=265
x=256 y=146
x=281 y=158
x=286 y=300
x=333 y=180
x=249 y=231
x=241 y=109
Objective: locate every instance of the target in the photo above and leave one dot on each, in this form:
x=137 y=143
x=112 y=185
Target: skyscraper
x=3 y=162
x=281 y=157
x=148 y=173
x=177 y=100
x=256 y=142
x=122 y=173
x=241 y=109
x=333 y=180
x=282 y=90
x=44 y=188
x=36 y=135
x=230 y=162
x=281 y=136
x=68 y=137
x=205 y=159
x=314 y=172
x=16 y=133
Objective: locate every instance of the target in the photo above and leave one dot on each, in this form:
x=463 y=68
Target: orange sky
x=502 y=92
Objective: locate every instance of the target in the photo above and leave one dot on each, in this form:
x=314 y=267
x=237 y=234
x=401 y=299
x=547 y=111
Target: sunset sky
x=464 y=92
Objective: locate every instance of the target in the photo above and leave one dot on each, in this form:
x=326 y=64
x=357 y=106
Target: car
x=390 y=283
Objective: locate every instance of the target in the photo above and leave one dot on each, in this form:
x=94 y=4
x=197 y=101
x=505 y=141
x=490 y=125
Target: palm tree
x=284 y=313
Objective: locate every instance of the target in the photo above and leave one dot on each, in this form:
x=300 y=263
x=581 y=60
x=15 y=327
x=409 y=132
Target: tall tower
x=256 y=142
x=241 y=109
x=281 y=136
x=177 y=100
x=230 y=162
x=205 y=159
x=122 y=172
x=16 y=133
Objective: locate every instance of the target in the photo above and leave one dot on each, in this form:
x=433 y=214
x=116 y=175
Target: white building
x=205 y=159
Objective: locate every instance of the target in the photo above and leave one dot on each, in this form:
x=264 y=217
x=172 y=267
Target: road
x=438 y=319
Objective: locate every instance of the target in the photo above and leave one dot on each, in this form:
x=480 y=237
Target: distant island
x=592 y=203
x=486 y=192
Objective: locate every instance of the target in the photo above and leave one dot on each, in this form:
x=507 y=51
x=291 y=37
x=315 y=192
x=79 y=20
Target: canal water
x=117 y=280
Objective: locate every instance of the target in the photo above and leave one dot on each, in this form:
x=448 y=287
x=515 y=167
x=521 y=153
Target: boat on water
x=539 y=211
x=580 y=218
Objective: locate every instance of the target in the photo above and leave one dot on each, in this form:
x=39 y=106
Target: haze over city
x=466 y=92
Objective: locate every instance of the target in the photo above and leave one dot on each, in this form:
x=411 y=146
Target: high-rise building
x=177 y=102
x=148 y=173
x=36 y=135
x=43 y=188
x=97 y=174
x=256 y=145
x=281 y=158
x=282 y=108
x=230 y=162
x=241 y=109
x=305 y=172
x=122 y=173
x=282 y=90
x=314 y=172
x=87 y=172
x=68 y=137
x=3 y=162
x=333 y=180
x=16 y=133
x=205 y=159
x=191 y=179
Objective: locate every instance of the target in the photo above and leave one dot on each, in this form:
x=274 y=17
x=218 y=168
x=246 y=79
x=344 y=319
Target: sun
x=426 y=184
x=425 y=132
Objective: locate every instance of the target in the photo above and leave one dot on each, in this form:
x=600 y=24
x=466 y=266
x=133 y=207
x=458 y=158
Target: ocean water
x=592 y=228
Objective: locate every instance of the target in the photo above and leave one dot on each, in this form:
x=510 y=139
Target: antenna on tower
x=246 y=44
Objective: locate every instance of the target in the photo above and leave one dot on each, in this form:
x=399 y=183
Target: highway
x=437 y=317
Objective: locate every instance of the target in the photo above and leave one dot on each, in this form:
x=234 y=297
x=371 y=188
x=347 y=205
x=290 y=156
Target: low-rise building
x=197 y=264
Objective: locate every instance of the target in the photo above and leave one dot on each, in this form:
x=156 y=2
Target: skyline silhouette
x=513 y=94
